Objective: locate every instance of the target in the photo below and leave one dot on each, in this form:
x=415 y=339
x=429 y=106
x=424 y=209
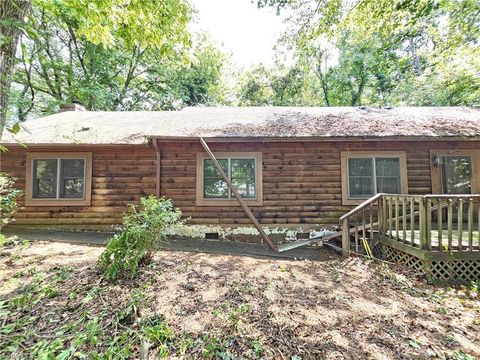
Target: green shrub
x=8 y=199
x=144 y=226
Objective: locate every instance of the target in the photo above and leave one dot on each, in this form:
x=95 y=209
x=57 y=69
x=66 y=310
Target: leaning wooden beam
x=242 y=202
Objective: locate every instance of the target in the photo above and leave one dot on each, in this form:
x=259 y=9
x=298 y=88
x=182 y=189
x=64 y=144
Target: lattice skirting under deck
x=438 y=270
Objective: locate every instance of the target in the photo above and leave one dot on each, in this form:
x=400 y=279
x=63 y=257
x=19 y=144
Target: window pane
x=390 y=185
x=387 y=166
x=457 y=175
x=388 y=175
x=243 y=168
x=360 y=172
x=72 y=178
x=360 y=187
x=45 y=179
x=245 y=187
x=209 y=169
x=243 y=177
x=215 y=188
x=360 y=167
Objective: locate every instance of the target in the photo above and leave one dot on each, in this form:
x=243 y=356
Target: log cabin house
x=299 y=170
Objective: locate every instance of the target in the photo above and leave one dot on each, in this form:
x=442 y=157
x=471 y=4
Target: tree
x=12 y=14
x=62 y=65
x=95 y=33
x=405 y=44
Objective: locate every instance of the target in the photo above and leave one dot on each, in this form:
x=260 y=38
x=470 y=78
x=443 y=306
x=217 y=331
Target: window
x=58 y=179
x=369 y=176
x=455 y=171
x=365 y=174
x=243 y=170
x=457 y=175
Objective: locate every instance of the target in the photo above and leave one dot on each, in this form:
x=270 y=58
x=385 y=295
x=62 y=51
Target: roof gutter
x=316 y=138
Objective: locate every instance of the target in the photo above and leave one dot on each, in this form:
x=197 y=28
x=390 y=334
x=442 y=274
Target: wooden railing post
x=345 y=238
x=422 y=223
x=383 y=224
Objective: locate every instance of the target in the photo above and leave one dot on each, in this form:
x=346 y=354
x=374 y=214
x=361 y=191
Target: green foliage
x=422 y=53
x=8 y=199
x=233 y=315
x=144 y=226
x=144 y=63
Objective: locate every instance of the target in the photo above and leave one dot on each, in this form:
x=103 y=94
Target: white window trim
x=84 y=201
x=345 y=155
x=231 y=201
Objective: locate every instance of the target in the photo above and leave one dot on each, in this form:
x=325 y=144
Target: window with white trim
x=63 y=178
x=368 y=176
x=244 y=170
x=240 y=171
x=58 y=178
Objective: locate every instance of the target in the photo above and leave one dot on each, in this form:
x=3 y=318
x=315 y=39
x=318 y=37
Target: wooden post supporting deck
x=242 y=202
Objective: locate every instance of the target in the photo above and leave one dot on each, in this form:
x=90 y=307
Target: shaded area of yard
x=194 y=305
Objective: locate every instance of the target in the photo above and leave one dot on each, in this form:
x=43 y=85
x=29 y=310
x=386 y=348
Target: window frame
x=84 y=201
x=345 y=155
x=436 y=170
x=256 y=201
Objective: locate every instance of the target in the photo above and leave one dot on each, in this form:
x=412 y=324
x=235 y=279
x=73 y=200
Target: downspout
x=157 y=181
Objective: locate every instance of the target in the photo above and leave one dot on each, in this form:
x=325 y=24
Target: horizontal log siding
x=120 y=175
x=301 y=181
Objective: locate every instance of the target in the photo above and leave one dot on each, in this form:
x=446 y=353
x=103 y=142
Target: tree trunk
x=12 y=12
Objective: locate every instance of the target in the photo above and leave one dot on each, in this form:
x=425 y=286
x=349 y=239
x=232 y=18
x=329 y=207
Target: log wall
x=301 y=181
x=120 y=175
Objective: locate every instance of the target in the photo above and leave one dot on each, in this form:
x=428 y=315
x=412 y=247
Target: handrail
x=362 y=206
x=459 y=196
x=416 y=221
x=434 y=230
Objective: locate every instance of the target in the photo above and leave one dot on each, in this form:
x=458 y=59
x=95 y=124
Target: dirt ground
x=234 y=307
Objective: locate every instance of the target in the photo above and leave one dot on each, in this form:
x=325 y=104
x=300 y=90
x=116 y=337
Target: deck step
x=305 y=242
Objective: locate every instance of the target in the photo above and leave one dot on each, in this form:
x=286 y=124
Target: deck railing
x=427 y=223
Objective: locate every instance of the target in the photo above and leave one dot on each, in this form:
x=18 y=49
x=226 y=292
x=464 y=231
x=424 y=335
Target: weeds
x=233 y=315
x=144 y=226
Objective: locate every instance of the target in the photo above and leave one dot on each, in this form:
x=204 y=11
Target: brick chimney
x=74 y=106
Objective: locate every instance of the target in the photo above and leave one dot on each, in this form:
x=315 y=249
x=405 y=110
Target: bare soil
x=254 y=307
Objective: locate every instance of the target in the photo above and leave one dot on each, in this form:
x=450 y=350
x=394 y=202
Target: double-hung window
x=58 y=179
x=366 y=174
x=242 y=169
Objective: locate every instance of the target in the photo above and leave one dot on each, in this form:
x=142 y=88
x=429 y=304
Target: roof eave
x=315 y=138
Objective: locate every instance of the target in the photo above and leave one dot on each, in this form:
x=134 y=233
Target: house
x=298 y=169
x=404 y=180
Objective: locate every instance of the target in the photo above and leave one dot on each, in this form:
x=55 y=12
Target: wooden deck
x=438 y=241
x=438 y=235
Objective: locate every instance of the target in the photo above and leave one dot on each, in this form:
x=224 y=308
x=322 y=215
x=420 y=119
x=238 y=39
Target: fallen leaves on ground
x=55 y=303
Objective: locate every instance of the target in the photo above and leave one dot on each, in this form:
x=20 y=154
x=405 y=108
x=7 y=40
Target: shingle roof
x=250 y=122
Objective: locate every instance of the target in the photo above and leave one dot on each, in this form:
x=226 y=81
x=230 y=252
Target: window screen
x=72 y=178
x=45 y=179
x=58 y=178
x=243 y=176
x=241 y=173
x=388 y=175
x=368 y=176
x=457 y=175
x=214 y=187
x=360 y=171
